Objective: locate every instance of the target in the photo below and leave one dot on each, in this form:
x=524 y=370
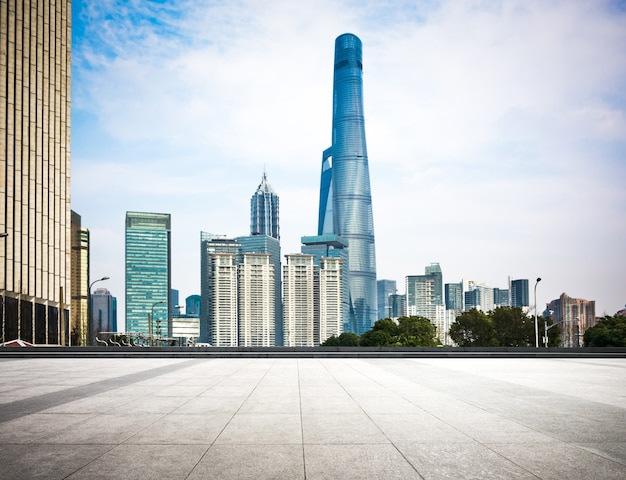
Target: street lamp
x=89 y=319
x=150 y=319
x=536 y=329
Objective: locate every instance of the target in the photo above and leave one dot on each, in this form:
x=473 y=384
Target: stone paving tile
x=340 y=429
x=32 y=427
x=561 y=460
x=210 y=405
x=46 y=462
x=381 y=461
x=461 y=461
x=251 y=462
x=418 y=428
x=325 y=403
x=182 y=430
x=262 y=429
x=139 y=462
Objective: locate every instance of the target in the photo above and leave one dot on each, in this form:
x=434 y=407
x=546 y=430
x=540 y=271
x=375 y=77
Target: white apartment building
x=301 y=300
x=330 y=291
x=256 y=301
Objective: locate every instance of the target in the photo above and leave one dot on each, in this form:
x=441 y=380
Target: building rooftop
x=404 y=418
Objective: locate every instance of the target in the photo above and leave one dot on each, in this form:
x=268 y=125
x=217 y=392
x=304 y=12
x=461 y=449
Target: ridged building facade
x=345 y=196
x=35 y=267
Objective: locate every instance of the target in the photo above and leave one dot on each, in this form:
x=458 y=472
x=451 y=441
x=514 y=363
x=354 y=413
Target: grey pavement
x=313 y=418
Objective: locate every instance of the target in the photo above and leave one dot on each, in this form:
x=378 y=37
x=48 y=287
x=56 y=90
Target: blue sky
x=496 y=131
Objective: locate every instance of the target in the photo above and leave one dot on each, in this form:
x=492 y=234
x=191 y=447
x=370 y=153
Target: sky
x=496 y=132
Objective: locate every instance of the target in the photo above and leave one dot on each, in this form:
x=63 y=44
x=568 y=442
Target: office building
x=501 y=297
x=192 y=305
x=454 y=296
x=576 y=315
x=301 y=300
x=385 y=288
x=148 y=272
x=103 y=312
x=264 y=244
x=35 y=256
x=519 y=293
x=256 y=315
x=264 y=211
x=478 y=295
x=218 y=289
x=345 y=197
x=174 y=298
x=397 y=306
x=79 y=324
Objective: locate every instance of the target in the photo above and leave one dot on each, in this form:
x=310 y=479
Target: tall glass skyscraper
x=264 y=211
x=345 y=198
x=148 y=271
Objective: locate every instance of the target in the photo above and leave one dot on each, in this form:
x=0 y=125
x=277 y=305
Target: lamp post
x=536 y=329
x=89 y=319
x=150 y=319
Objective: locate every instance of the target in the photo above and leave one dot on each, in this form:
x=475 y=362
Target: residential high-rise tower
x=345 y=197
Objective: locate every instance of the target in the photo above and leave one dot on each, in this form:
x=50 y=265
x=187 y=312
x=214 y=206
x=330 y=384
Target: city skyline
x=492 y=152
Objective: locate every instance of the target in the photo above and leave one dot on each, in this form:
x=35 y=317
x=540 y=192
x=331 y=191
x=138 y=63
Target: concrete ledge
x=306 y=352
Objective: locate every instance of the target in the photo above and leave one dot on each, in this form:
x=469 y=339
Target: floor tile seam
x=597 y=453
x=509 y=460
x=228 y=422
x=377 y=426
x=301 y=420
x=92 y=460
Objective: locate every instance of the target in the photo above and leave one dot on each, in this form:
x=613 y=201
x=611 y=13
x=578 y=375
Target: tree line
x=501 y=327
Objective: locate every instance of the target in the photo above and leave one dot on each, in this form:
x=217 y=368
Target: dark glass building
x=264 y=211
x=345 y=197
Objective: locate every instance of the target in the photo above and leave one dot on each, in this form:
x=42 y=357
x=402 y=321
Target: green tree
x=512 y=327
x=473 y=329
x=416 y=332
x=346 y=339
x=608 y=332
x=408 y=332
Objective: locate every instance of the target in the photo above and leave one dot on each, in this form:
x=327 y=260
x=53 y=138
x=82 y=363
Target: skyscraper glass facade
x=519 y=293
x=148 y=272
x=386 y=288
x=264 y=211
x=345 y=197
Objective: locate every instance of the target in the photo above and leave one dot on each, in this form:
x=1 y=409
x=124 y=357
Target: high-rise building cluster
x=248 y=297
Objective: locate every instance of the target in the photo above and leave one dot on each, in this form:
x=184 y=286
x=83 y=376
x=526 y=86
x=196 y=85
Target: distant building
x=264 y=211
x=174 y=297
x=397 y=306
x=330 y=298
x=218 y=289
x=332 y=246
x=424 y=298
x=186 y=329
x=345 y=207
x=501 y=297
x=454 y=296
x=519 y=293
x=103 y=311
x=478 y=296
x=576 y=315
x=192 y=305
x=79 y=325
x=148 y=271
x=256 y=314
x=301 y=298
x=265 y=244
x=385 y=288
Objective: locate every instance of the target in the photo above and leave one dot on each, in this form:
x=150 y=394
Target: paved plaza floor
x=257 y=418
